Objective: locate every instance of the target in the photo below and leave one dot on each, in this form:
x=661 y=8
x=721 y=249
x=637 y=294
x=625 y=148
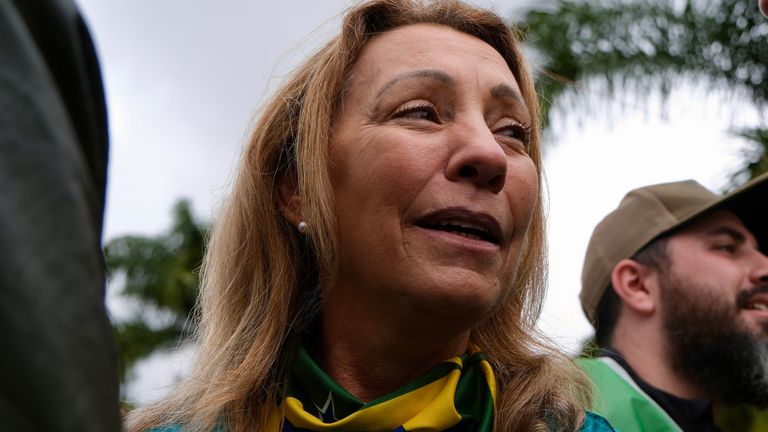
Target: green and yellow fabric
x=619 y=399
x=456 y=395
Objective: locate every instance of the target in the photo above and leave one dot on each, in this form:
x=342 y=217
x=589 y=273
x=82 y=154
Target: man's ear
x=635 y=285
x=290 y=201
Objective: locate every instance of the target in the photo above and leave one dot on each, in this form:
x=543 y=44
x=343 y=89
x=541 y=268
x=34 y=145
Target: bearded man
x=675 y=282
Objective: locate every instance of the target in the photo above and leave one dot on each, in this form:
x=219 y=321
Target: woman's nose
x=477 y=158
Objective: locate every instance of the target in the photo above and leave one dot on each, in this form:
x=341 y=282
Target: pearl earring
x=303 y=227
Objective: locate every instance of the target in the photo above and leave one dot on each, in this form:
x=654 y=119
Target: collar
x=692 y=415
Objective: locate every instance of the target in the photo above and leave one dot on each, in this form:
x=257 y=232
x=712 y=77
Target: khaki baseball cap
x=648 y=212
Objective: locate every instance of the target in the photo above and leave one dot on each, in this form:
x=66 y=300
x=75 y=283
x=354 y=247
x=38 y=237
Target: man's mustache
x=742 y=299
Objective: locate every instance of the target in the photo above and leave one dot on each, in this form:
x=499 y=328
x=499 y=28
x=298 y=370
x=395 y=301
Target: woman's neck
x=370 y=360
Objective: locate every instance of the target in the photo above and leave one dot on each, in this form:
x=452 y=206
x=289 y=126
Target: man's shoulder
x=619 y=399
x=608 y=376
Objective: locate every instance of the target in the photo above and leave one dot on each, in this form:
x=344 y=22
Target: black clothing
x=58 y=367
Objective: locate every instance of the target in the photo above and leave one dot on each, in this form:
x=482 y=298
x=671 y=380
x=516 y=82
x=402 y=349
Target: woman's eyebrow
x=421 y=73
x=505 y=91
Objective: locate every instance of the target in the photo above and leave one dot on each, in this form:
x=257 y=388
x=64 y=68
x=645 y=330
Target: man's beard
x=708 y=347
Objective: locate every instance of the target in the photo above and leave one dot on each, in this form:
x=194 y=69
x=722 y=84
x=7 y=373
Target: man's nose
x=759 y=275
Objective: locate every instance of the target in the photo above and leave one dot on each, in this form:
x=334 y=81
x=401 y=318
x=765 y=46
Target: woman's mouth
x=463 y=222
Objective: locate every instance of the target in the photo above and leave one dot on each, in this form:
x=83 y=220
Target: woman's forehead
x=428 y=46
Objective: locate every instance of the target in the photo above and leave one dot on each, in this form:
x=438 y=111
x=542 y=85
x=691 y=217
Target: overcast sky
x=185 y=78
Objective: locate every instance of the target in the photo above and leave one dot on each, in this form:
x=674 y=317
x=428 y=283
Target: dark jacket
x=58 y=360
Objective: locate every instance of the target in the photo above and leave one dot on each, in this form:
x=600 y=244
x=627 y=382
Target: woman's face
x=433 y=184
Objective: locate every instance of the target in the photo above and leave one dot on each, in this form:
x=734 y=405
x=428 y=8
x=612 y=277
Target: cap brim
x=749 y=202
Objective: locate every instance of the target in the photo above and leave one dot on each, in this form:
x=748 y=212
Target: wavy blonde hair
x=260 y=278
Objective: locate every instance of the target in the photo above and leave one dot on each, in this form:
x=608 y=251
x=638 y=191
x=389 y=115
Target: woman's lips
x=463 y=222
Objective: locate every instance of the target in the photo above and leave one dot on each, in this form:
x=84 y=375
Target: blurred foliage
x=607 y=49
x=158 y=276
x=756 y=155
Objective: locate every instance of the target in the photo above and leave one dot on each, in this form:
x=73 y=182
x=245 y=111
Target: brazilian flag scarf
x=457 y=395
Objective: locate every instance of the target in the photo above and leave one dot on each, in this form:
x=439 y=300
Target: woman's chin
x=465 y=297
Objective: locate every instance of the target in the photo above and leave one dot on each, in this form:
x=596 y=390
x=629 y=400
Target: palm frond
x=647 y=45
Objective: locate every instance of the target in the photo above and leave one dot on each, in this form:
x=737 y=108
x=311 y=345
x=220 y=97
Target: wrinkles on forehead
x=366 y=68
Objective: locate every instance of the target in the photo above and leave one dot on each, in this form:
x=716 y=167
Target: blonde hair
x=261 y=278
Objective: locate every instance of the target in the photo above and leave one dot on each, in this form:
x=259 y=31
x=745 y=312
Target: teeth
x=472 y=236
x=462 y=224
x=759 y=306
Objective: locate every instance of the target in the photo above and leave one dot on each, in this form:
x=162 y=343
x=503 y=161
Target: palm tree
x=644 y=45
x=158 y=279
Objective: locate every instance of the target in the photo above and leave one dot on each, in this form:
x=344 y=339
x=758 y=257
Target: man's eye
x=729 y=248
x=418 y=112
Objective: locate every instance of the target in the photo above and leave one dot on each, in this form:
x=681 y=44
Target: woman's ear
x=290 y=201
x=635 y=285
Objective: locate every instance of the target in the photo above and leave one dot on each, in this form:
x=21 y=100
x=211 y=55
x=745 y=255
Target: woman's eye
x=418 y=112
x=515 y=131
